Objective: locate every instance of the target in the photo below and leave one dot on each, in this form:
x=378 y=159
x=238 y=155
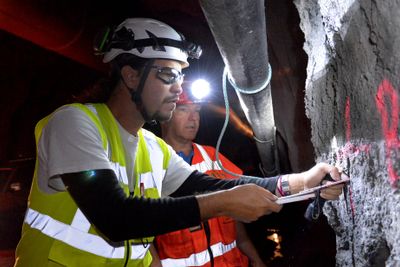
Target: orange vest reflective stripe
x=189 y=247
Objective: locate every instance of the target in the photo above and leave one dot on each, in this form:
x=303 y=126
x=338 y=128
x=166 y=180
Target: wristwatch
x=285 y=185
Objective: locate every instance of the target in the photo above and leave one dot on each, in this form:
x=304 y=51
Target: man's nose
x=177 y=88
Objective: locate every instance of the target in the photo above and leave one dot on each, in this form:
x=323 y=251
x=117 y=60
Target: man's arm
x=198 y=182
x=244 y=199
x=105 y=204
x=100 y=197
x=262 y=200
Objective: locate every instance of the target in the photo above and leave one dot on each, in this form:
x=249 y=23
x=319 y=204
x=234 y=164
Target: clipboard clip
x=314 y=209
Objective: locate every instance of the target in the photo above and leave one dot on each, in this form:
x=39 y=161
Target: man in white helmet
x=103 y=186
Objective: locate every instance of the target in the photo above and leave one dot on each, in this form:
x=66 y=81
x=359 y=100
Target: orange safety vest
x=189 y=247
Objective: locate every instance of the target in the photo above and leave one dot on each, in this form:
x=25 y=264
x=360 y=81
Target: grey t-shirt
x=71 y=142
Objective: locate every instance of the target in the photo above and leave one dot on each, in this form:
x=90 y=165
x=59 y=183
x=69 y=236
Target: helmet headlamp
x=193 y=50
x=124 y=39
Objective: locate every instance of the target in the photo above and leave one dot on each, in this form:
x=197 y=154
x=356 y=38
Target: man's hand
x=314 y=176
x=244 y=203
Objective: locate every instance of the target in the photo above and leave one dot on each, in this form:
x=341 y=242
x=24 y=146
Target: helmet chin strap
x=136 y=95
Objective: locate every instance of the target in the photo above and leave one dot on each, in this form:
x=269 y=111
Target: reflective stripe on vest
x=120 y=172
x=147 y=179
x=201 y=258
x=207 y=164
x=73 y=236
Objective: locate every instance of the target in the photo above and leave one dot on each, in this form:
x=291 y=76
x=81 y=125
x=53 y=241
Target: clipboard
x=310 y=193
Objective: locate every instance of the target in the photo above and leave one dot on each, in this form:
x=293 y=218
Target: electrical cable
x=252 y=90
x=226 y=101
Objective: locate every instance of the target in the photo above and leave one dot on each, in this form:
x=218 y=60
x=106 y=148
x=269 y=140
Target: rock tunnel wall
x=352 y=100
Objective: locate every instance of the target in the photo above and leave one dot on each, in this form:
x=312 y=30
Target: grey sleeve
x=199 y=182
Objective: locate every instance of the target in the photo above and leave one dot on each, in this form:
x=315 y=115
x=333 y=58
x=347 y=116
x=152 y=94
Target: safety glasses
x=168 y=75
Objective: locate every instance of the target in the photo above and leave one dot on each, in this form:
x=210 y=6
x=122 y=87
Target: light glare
x=200 y=88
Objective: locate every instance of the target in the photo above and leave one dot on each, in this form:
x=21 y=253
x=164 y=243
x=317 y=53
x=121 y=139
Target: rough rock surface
x=352 y=100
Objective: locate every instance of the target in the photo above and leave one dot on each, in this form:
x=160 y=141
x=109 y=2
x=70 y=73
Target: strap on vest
x=210 y=164
x=107 y=119
x=143 y=157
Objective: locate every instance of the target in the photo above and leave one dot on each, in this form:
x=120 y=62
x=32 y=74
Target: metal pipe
x=239 y=29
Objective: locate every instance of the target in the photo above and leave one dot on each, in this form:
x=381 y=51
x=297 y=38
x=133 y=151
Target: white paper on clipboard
x=309 y=193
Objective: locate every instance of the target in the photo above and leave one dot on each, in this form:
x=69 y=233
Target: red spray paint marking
x=346 y=152
x=348 y=120
x=389 y=123
x=349 y=150
x=389 y=127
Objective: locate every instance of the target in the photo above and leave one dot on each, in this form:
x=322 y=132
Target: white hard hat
x=148 y=38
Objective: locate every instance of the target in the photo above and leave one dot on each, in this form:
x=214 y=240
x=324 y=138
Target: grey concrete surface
x=352 y=100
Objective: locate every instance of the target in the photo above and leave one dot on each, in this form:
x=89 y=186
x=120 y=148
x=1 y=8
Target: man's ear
x=130 y=76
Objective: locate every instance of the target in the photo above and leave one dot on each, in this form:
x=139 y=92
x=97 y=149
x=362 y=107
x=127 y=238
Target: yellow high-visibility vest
x=55 y=231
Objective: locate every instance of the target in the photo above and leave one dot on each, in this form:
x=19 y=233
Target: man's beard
x=157 y=116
